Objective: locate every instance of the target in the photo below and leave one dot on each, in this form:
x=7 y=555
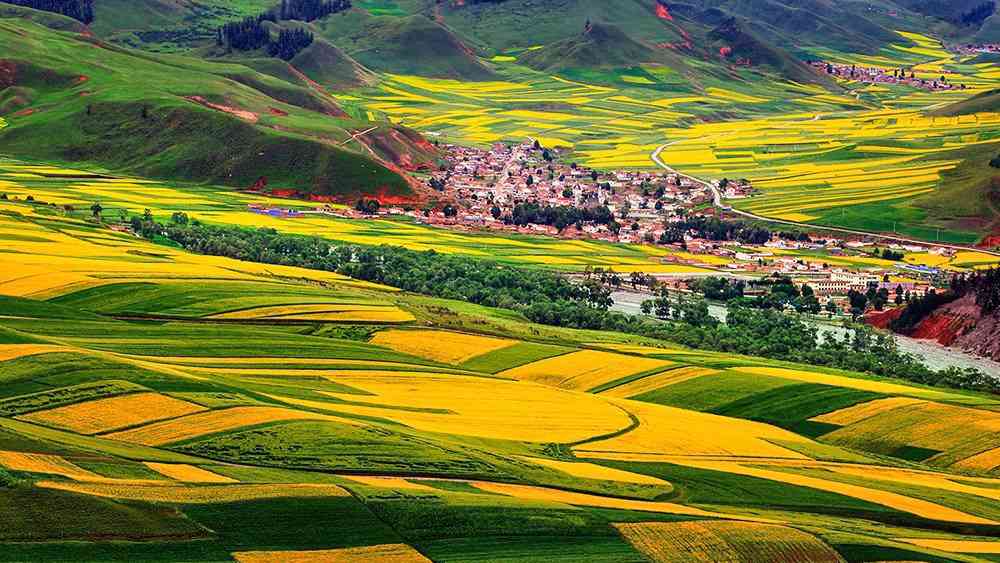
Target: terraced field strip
x=194 y=494
x=653 y=382
x=664 y=431
x=188 y=473
x=737 y=542
x=45 y=464
x=211 y=422
x=956 y=546
x=104 y=415
x=587 y=470
x=585 y=370
x=936 y=433
x=443 y=346
x=559 y=496
x=919 y=507
x=385 y=553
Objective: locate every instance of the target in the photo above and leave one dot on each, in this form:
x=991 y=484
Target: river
x=932 y=353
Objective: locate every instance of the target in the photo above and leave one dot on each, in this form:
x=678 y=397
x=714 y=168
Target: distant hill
x=795 y=24
x=599 y=45
x=986 y=101
x=69 y=97
x=742 y=44
x=326 y=64
x=408 y=45
x=511 y=24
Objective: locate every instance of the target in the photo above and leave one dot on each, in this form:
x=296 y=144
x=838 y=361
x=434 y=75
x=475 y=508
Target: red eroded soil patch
x=663 y=12
x=8 y=73
x=242 y=114
x=24 y=112
x=942 y=327
x=881 y=319
x=276 y=111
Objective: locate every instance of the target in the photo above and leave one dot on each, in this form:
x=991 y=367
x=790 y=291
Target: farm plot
x=938 y=434
x=211 y=422
x=454 y=405
x=586 y=369
x=737 y=542
x=446 y=347
x=104 y=415
x=386 y=553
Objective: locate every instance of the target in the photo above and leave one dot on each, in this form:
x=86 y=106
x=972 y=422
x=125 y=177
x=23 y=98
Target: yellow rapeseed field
x=529 y=492
x=385 y=553
x=443 y=346
x=14 y=351
x=188 y=473
x=897 y=501
x=850 y=382
x=729 y=542
x=588 y=470
x=584 y=370
x=983 y=461
x=203 y=423
x=958 y=432
x=653 y=382
x=195 y=494
x=666 y=430
x=397 y=483
x=103 y=415
x=927 y=479
x=956 y=546
x=46 y=464
x=862 y=411
x=475 y=406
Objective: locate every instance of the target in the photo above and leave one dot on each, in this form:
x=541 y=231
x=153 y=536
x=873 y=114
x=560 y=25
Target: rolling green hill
x=69 y=97
x=986 y=101
x=598 y=45
x=403 y=45
x=744 y=45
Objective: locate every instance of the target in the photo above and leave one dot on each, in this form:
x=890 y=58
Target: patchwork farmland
x=359 y=386
x=208 y=388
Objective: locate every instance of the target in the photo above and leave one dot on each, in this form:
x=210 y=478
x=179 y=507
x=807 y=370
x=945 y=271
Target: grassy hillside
x=520 y=24
x=71 y=98
x=326 y=64
x=403 y=45
x=169 y=25
x=263 y=406
x=744 y=45
x=598 y=45
x=988 y=101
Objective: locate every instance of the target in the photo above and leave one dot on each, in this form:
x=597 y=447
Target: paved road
x=717 y=201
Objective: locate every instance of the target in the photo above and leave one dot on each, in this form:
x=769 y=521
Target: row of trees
x=310 y=10
x=547 y=298
x=560 y=216
x=252 y=33
x=713 y=228
x=80 y=10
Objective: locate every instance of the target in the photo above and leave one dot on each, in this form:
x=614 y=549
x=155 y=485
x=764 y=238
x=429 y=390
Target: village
x=525 y=188
x=878 y=75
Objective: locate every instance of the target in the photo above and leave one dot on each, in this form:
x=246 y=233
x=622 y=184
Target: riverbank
x=933 y=354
